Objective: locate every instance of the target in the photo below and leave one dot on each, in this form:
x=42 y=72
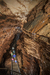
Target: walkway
x=15 y=70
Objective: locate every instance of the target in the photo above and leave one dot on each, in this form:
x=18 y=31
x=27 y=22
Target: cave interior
x=25 y=25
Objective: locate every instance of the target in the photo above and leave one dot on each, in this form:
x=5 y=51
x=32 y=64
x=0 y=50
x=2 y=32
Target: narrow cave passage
x=24 y=37
x=7 y=56
x=31 y=69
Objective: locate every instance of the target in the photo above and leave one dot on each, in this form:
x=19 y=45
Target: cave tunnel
x=24 y=37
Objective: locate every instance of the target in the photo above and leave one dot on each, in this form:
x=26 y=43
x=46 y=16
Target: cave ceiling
x=22 y=11
x=18 y=7
x=30 y=15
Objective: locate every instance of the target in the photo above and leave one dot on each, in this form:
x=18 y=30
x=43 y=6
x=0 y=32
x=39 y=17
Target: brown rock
x=8 y=63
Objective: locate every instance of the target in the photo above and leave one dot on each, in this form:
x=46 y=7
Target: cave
x=24 y=37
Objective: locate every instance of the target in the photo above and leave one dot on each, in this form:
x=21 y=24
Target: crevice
x=21 y=3
x=43 y=8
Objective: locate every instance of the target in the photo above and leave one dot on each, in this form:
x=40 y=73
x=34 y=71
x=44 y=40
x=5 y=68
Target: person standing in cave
x=15 y=61
x=11 y=54
x=14 y=56
x=12 y=59
x=13 y=51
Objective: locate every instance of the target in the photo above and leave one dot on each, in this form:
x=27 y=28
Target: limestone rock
x=33 y=52
x=8 y=63
x=6 y=37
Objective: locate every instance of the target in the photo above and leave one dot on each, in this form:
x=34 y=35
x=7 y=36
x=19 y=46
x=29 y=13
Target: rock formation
x=33 y=53
x=33 y=46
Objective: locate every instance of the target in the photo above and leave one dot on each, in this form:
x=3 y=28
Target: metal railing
x=10 y=70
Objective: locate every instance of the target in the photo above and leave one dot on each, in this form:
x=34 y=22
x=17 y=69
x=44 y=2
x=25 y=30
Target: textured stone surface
x=33 y=52
x=38 y=18
x=19 y=8
x=33 y=55
x=8 y=63
x=6 y=37
x=45 y=30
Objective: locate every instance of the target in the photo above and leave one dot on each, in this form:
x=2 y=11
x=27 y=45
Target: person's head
x=12 y=48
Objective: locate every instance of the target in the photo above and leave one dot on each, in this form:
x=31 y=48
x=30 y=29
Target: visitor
x=13 y=51
x=12 y=48
x=11 y=54
x=12 y=59
x=14 y=56
x=15 y=61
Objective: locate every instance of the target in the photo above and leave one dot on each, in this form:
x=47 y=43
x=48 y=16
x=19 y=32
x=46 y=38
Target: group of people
x=13 y=56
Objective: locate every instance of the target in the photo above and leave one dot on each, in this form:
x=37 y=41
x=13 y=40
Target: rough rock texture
x=35 y=53
x=38 y=18
x=45 y=31
x=39 y=21
x=6 y=37
x=32 y=51
x=9 y=21
x=4 y=9
x=8 y=63
x=19 y=8
x=41 y=7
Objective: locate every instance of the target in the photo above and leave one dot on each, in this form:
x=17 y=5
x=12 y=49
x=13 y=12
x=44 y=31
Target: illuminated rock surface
x=33 y=52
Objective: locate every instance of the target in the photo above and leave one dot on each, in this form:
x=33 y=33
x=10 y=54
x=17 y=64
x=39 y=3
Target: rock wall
x=43 y=6
x=45 y=31
x=35 y=55
x=6 y=37
x=8 y=30
x=38 y=17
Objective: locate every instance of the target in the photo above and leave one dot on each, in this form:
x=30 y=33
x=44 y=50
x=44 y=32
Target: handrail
x=13 y=45
x=10 y=70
